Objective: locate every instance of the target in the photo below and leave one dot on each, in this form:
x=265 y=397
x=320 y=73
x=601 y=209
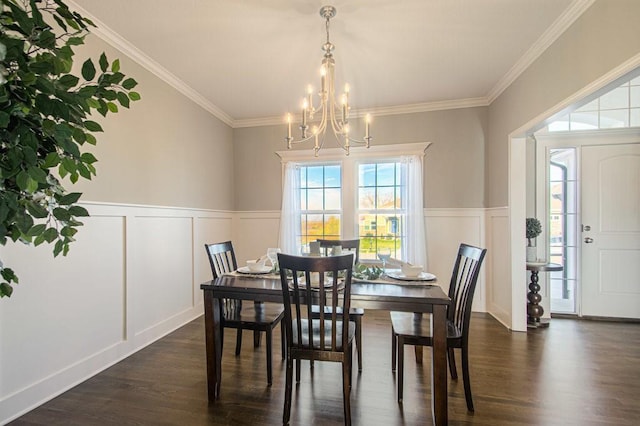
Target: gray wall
x=604 y=37
x=165 y=151
x=454 y=163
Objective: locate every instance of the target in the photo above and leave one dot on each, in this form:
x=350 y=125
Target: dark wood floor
x=574 y=373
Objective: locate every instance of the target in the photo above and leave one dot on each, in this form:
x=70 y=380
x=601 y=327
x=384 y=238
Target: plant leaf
x=37 y=174
x=5 y=289
x=50 y=234
x=88 y=158
x=123 y=99
x=129 y=83
x=61 y=214
x=88 y=70
x=70 y=198
x=4 y=119
x=92 y=126
x=36 y=210
x=78 y=211
x=36 y=230
x=57 y=248
x=51 y=160
x=104 y=63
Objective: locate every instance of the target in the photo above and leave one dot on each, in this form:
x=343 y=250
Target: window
x=617 y=108
x=320 y=202
x=563 y=210
x=364 y=195
x=380 y=209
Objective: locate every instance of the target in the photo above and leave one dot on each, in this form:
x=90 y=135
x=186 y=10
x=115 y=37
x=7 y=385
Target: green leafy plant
x=533 y=229
x=45 y=120
x=363 y=272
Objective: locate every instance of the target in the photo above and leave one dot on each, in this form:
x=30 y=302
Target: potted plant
x=534 y=228
x=46 y=122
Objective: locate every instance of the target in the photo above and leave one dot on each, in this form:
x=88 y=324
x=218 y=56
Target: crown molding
x=560 y=25
x=430 y=106
x=375 y=112
x=114 y=39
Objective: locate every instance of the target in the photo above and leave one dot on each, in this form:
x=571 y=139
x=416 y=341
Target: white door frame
x=576 y=140
x=517 y=189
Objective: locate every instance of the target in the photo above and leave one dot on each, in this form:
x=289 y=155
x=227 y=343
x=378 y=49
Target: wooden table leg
x=417 y=349
x=534 y=310
x=418 y=353
x=439 y=365
x=213 y=337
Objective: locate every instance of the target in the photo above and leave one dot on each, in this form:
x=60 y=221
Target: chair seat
x=263 y=314
x=327 y=310
x=419 y=326
x=316 y=334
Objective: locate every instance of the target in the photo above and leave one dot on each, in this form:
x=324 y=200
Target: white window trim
x=357 y=153
x=349 y=225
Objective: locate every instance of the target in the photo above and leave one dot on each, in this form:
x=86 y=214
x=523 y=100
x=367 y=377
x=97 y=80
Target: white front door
x=610 y=238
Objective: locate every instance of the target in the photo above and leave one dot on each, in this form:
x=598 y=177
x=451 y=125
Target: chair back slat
x=463 y=285
x=324 y=282
x=347 y=245
x=222 y=259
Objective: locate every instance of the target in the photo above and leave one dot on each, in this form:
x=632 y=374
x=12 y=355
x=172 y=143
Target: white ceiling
x=249 y=61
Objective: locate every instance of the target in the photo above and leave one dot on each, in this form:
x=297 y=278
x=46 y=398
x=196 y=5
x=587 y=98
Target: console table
x=534 y=310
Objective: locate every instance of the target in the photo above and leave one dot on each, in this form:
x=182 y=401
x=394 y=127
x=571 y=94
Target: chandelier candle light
x=333 y=113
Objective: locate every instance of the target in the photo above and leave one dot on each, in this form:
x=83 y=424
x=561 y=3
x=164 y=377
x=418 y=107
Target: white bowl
x=411 y=270
x=254 y=266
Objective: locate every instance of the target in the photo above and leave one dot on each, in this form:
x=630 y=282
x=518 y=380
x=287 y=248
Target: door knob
x=588 y=240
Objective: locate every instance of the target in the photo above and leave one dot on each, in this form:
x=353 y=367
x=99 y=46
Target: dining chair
x=414 y=329
x=355 y=314
x=325 y=282
x=258 y=316
x=347 y=245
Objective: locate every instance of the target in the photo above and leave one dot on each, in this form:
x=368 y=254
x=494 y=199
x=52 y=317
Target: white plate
x=263 y=270
x=422 y=276
x=328 y=283
x=537 y=263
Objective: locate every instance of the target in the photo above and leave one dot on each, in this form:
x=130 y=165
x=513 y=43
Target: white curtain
x=414 y=250
x=290 y=214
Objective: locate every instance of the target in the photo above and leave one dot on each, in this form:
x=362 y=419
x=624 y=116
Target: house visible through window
x=378 y=215
x=374 y=195
x=320 y=202
x=380 y=210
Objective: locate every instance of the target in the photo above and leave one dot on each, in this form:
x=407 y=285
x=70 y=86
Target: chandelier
x=334 y=114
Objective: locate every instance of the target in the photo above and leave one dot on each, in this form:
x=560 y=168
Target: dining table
x=374 y=294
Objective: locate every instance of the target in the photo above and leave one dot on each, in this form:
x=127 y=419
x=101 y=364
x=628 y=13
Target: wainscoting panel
x=161 y=255
x=55 y=319
x=446 y=229
x=131 y=277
